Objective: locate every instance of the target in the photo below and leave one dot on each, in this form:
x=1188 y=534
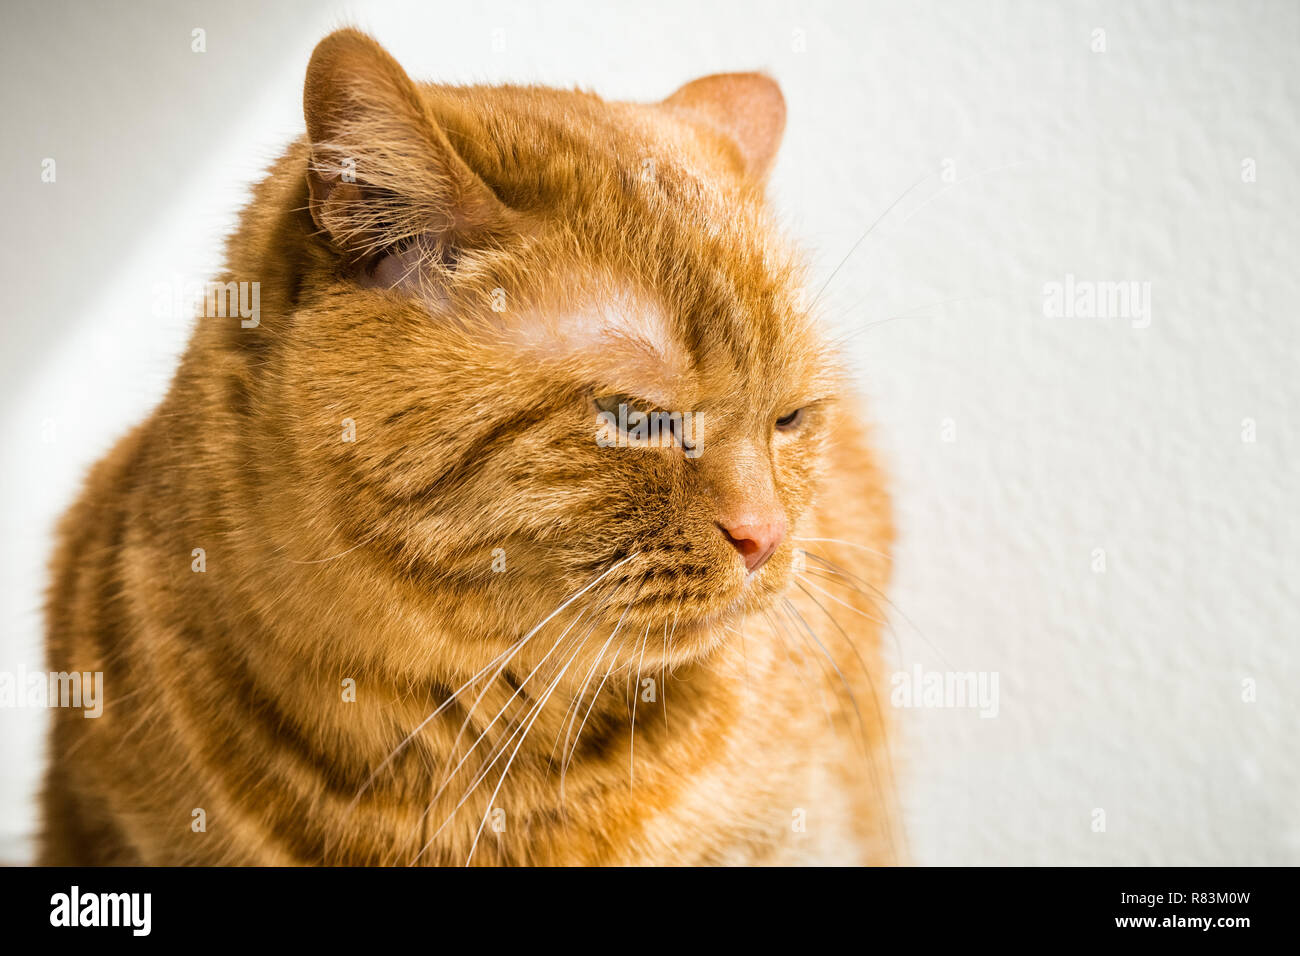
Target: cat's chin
x=701 y=631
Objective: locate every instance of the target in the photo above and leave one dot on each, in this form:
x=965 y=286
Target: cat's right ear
x=383 y=176
x=747 y=109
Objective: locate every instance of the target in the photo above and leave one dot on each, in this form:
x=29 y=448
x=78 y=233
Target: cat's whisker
x=916 y=312
x=863 y=736
x=513 y=726
x=862 y=238
x=571 y=713
x=663 y=661
x=744 y=655
x=858 y=584
x=486 y=687
x=374 y=774
x=564 y=765
x=577 y=736
x=953 y=185
x=519 y=717
x=875 y=701
x=774 y=623
x=798 y=618
x=835 y=576
x=875 y=595
x=529 y=636
x=926 y=202
x=799 y=627
x=342 y=554
x=506 y=654
x=522 y=732
x=636 y=694
x=850 y=544
x=504 y=707
x=534 y=711
x=809 y=571
x=572 y=703
x=866 y=669
x=492 y=799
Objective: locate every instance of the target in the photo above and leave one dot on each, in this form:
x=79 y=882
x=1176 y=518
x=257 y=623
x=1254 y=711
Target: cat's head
x=568 y=342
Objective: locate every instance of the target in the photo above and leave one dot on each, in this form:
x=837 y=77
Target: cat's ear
x=383 y=173
x=747 y=108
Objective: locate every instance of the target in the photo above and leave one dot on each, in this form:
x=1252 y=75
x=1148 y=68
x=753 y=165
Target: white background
x=1121 y=690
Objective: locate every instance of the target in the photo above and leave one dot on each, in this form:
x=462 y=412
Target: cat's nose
x=756 y=539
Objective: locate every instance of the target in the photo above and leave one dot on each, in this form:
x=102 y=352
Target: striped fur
x=375 y=563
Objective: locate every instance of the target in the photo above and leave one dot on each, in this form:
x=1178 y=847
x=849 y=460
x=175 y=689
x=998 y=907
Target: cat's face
x=571 y=346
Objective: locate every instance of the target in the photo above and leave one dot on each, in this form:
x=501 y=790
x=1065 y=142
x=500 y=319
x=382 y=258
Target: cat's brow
x=622 y=339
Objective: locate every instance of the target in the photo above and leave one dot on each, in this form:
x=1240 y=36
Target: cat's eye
x=610 y=403
x=626 y=421
x=790 y=422
x=630 y=414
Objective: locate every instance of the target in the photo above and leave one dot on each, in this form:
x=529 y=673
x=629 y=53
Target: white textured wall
x=1020 y=156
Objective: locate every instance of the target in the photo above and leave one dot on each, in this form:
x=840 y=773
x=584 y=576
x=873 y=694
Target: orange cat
x=498 y=534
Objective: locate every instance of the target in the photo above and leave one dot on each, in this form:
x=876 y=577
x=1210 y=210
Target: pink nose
x=755 y=540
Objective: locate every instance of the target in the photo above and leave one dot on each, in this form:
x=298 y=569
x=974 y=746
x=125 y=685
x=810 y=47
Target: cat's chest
x=766 y=800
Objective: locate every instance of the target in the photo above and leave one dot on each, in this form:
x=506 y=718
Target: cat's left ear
x=745 y=108
x=383 y=173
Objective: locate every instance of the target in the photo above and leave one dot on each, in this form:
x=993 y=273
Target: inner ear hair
x=383 y=176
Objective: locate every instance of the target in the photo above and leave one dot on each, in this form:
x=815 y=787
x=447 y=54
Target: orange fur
x=501 y=256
